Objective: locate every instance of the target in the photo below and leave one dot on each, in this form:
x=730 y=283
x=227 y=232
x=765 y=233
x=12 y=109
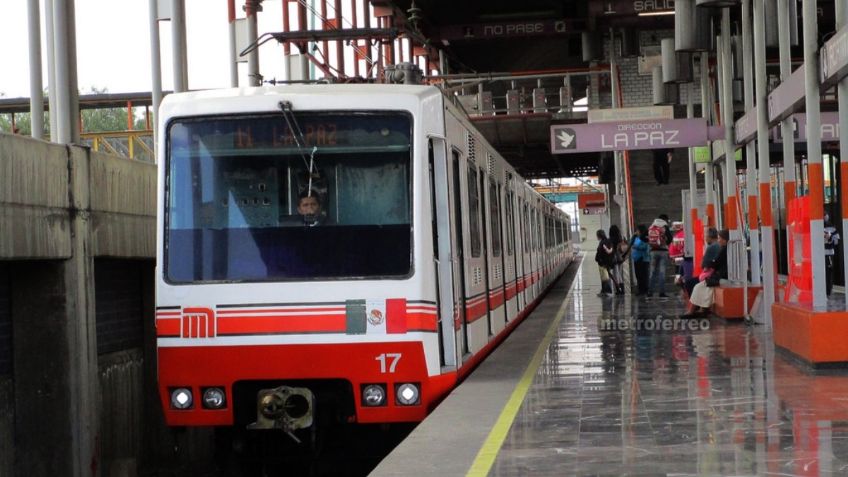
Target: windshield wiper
x=300 y=141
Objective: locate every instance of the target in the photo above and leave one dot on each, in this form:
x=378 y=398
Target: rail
x=130 y=144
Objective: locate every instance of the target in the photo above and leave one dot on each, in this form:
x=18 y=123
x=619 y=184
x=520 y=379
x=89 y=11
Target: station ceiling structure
x=492 y=37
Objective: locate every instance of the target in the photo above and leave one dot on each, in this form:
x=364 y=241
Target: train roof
x=420 y=91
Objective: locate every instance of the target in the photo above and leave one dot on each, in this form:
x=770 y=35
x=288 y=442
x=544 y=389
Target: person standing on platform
x=604 y=257
x=831 y=240
x=659 y=237
x=662 y=165
x=619 y=247
x=641 y=258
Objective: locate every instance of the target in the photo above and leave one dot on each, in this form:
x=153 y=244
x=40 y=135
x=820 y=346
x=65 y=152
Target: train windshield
x=247 y=199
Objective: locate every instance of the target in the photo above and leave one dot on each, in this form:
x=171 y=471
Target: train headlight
x=181 y=398
x=373 y=395
x=407 y=394
x=214 y=398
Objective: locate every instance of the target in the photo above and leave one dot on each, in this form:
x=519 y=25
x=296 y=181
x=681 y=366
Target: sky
x=113 y=45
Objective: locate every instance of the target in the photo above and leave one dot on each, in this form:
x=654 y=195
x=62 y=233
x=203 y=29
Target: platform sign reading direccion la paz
x=628 y=135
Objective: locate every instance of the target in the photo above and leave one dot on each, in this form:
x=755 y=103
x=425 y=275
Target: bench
x=728 y=301
x=817 y=337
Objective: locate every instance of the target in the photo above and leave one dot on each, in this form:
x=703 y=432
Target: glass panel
x=510 y=220
x=245 y=203
x=527 y=224
x=495 y=214
x=474 y=211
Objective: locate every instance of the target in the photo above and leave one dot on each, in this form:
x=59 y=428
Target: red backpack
x=656 y=237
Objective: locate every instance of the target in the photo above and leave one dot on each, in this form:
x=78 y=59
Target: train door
x=487 y=248
x=537 y=263
x=528 y=256
x=519 y=252
x=477 y=305
x=460 y=290
x=447 y=301
x=513 y=246
x=497 y=303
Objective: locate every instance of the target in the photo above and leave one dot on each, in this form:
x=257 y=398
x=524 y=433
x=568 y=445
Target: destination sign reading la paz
x=628 y=135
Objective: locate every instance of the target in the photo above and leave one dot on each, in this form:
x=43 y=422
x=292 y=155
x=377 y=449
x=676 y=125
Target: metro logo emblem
x=198 y=323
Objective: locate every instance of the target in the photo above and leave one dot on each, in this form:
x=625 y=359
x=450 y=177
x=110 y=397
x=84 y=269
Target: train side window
x=474 y=211
x=527 y=223
x=510 y=223
x=495 y=214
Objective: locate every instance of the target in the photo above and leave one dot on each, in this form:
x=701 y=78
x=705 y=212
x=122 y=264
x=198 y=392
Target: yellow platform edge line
x=492 y=445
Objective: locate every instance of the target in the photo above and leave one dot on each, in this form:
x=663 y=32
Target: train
x=335 y=254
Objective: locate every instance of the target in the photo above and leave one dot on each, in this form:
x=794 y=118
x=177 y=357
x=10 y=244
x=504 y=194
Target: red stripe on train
x=240 y=325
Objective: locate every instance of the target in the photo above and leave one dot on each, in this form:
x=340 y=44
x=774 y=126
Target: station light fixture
x=656 y=14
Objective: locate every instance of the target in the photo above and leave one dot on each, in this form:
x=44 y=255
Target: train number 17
x=391 y=358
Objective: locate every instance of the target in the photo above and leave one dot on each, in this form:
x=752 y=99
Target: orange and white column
x=815 y=172
x=767 y=223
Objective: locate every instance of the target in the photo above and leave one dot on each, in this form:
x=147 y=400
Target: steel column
x=73 y=87
x=784 y=7
x=731 y=214
x=706 y=108
x=251 y=9
x=356 y=47
x=693 y=181
x=620 y=189
x=51 y=69
x=302 y=24
x=340 y=62
x=178 y=46
x=751 y=177
x=842 y=93
x=231 y=17
x=36 y=94
x=322 y=12
x=814 y=155
x=155 y=68
x=64 y=119
x=767 y=226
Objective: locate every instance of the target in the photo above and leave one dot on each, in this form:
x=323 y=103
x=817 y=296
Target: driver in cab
x=310 y=210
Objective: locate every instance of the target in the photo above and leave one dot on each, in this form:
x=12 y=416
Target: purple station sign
x=829 y=128
x=628 y=135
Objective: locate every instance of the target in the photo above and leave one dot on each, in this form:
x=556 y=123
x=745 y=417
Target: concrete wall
x=637 y=88
x=60 y=207
x=33 y=199
x=36 y=195
x=123 y=204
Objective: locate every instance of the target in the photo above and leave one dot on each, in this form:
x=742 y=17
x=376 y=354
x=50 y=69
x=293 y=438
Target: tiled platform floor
x=646 y=401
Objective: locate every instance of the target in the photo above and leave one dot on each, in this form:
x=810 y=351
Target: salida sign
x=629 y=135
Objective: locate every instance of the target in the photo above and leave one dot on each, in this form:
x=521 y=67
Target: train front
x=291 y=292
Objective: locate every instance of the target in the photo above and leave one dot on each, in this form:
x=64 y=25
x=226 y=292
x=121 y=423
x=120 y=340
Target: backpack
x=656 y=237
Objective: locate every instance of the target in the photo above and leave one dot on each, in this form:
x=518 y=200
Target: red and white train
x=427 y=250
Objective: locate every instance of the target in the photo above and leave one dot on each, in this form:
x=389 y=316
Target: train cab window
x=474 y=211
x=495 y=217
x=235 y=186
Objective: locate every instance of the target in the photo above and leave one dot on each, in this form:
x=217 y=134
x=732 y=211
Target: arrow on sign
x=566 y=137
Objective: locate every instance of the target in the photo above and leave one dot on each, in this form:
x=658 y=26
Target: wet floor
x=628 y=389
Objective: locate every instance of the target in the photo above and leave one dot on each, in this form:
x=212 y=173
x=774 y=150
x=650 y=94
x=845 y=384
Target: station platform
x=593 y=385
